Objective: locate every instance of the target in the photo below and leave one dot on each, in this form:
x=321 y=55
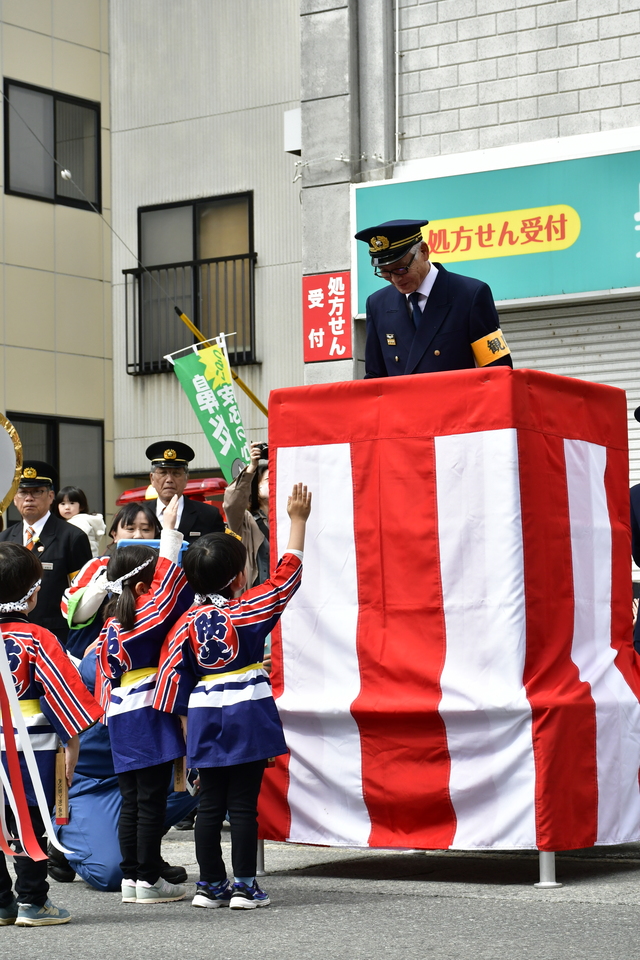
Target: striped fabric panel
x=484 y=704
x=456 y=669
x=321 y=669
x=617 y=710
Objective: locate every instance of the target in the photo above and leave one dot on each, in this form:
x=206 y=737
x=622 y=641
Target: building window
x=73 y=447
x=199 y=257
x=45 y=133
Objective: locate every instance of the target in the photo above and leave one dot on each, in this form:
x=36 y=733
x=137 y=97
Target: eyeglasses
x=398 y=272
x=35 y=492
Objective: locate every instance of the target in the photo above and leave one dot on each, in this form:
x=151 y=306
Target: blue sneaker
x=9 y=913
x=32 y=915
x=248 y=898
x=212 y=894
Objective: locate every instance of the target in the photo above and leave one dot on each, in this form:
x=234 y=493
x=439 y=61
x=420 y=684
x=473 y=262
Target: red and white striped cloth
x=457 y=669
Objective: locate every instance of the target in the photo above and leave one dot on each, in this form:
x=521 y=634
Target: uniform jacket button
x=397 y=359
x=436 y=353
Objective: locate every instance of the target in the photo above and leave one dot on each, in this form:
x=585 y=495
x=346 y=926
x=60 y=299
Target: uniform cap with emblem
x=169 y=453
x=390 y=241
x=38 y=473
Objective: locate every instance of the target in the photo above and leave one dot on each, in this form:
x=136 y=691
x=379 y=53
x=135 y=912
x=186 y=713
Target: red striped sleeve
x=171 y=658
x=81 y=581
x=65 y=694
x=269 y=598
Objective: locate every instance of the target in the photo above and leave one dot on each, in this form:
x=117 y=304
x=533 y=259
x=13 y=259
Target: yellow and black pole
x=194 y=330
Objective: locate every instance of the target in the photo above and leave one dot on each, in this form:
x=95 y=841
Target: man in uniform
x=61 y=547
x=427 y=319
x=170 y=461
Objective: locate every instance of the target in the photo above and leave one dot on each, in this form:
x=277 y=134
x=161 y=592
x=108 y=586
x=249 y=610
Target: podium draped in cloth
x=457 y=669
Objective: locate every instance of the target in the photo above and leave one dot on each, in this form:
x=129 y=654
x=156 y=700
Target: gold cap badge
x=30 y=473
x=378 y=243
x=170 y=454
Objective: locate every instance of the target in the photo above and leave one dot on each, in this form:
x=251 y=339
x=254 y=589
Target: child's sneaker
x=248 y=898
x=32 y=915
x=129 y=894
x=212 y=894
x=159 y=892
x=9 y=913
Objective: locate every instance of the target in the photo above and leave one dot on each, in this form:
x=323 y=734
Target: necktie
x=416 y=312
x=31 y=535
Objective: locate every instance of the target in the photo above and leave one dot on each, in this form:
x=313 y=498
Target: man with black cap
x=61 y=548
x=427 y=319
x=170 y=461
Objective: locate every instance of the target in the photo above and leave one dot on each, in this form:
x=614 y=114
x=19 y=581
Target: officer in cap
x=61 y=547
x=170 y=461
x=426 y=319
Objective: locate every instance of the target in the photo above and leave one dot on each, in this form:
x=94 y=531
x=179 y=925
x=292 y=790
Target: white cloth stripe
x=39 y=741
x=617 y=709
x=133 y=697
x=321 y=671
x=227 y=697
x=484 y=704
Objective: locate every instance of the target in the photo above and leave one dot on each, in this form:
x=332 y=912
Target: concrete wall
x=347 y=133
x=484 y=73
x=55 y=260
x=199 y=90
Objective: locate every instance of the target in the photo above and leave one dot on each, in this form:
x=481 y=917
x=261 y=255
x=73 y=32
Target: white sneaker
x=128 y=888
x=159 y=892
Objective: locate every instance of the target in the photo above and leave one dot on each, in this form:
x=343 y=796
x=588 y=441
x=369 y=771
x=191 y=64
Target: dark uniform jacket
x=199 y=518
x=459 y=311
x=66 y=550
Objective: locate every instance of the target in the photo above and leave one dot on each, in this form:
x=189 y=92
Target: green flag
x=206 y=379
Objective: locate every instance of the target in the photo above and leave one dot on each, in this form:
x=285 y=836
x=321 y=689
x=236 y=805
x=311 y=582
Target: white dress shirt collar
x=37 y=525
x=426 y=286
x=160 y=510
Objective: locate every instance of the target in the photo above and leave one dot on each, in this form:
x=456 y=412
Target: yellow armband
x=490 y=348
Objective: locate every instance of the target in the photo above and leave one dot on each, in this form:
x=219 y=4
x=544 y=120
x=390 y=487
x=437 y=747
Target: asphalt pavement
x=364 y=905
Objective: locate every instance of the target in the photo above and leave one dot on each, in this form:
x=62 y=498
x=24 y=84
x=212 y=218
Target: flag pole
x=194 y=330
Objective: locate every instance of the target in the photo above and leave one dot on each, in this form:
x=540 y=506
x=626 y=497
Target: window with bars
x=45 y=133
x=199 y=257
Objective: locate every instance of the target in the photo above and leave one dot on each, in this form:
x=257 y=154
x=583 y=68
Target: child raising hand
x=211 y=670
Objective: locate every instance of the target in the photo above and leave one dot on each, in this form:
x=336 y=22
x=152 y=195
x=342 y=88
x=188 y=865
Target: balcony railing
x=217 y=295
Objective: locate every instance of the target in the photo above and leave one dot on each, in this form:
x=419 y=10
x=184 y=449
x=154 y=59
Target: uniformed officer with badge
x=170 y=461
x=61 y=547
x=427 y=319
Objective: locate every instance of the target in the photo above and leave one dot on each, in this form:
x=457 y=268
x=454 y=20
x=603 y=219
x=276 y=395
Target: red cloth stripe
x=405 y=759
x=29 y=840
x=564 y=735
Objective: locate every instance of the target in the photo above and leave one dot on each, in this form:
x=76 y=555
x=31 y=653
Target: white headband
x=215 y=598
x=115 y=586
x=19 y=606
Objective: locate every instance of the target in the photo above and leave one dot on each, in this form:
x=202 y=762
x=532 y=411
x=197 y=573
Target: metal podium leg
x=547 y=871
x=260 y=871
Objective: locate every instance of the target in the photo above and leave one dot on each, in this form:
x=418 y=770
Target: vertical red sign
x=326 y=312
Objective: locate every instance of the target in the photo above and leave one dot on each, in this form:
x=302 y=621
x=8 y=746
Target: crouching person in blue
x=94 y=798
x=56 y=707
x=211 y=671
